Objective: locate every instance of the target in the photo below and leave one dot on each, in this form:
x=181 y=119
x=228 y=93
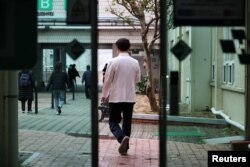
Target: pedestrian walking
x=86 y=77
x=73 y=73
x=59 y=81
x=122 y=74
x=26 y=85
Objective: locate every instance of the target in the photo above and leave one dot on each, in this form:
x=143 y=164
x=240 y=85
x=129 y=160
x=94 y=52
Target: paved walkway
x=65 y=140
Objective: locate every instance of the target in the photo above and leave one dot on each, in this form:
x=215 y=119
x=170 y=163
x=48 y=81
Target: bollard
x=73 y=92
x=52 y=100
x=65 y=96
x=174 y=93
x=36 y=101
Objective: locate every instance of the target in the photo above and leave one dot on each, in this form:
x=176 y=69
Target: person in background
x=103 y=71
x=58 y=81
x=122 y=74
x=75 y=73
x=71 y=76
x=86 y=77
x=26 y=85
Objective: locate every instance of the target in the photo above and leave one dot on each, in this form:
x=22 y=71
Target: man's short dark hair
x=123 y=44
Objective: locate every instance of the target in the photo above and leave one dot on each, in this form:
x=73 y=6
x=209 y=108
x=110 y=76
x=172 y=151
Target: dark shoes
x=59 y=111
x=29 y=111
x=124 y=146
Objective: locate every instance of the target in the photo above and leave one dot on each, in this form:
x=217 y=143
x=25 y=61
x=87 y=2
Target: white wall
x=104 y=56
x=195 y=69
x=228 y=97
x=201 y=68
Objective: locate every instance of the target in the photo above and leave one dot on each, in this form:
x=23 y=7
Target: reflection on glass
x=211 y=86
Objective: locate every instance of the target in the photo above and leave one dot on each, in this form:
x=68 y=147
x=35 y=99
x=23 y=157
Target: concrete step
x=223 y=140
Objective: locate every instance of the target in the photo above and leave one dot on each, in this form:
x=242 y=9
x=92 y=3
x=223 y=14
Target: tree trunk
x=152 y=99
x=150 y=84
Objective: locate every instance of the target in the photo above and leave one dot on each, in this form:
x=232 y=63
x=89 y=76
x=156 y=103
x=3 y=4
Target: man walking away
x=122 y=74
x=86 y=77
x=58 y=80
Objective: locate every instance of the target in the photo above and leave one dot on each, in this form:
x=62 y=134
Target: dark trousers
x=87 y=91
x=23 y=101
x=119 y=111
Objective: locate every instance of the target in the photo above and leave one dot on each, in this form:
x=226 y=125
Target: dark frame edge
x=163 y=72
x=94 y=100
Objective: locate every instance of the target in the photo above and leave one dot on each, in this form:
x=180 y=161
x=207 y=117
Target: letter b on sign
x=45 y=4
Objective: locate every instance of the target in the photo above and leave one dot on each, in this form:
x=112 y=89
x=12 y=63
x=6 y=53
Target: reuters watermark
x=228 y=158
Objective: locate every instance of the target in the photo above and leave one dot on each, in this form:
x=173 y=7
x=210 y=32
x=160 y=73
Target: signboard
x=181 y=50
x=78 y=12
x=45 y=5
x=209 y=12
x=228 y=46
x=18 y=32
x=51 y=9
x=75 y=49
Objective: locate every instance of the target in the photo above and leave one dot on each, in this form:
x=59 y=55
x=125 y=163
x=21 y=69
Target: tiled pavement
x=64 y=141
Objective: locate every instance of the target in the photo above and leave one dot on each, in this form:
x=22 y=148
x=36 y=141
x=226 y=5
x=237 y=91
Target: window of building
x=228 y=62
x=228 y=69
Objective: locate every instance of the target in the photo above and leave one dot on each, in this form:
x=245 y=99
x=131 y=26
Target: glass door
x=60 y=128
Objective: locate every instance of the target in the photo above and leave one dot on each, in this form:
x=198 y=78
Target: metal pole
x=52 y=100
x=247 y=86
x=174 y=93
x=65 y=96
x=36 y=101
x=8 y=119
x=13 y=118
x=163 y=93
x=2 y=118
x=94 y=80
x=73 y=92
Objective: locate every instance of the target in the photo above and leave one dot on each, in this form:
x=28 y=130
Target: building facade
x=209 y=79
x=54 y=35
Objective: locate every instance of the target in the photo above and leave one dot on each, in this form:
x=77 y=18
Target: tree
x=147 y=12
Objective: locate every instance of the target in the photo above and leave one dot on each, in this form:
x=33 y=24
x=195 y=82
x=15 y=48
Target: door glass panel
x=144 y=137
x=57 y=129
x=204 y=101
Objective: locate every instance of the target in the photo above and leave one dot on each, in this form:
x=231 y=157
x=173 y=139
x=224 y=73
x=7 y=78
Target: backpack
x=24 y=80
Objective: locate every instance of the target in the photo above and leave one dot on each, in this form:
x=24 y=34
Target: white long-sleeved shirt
x=123 y=72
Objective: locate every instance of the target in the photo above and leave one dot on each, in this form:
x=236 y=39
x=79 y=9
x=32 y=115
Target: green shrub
x=142 y=85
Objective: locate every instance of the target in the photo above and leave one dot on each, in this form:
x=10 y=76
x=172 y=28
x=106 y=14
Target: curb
x=149 y=118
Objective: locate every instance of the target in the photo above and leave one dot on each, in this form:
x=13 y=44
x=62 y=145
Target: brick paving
x=58 y=141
